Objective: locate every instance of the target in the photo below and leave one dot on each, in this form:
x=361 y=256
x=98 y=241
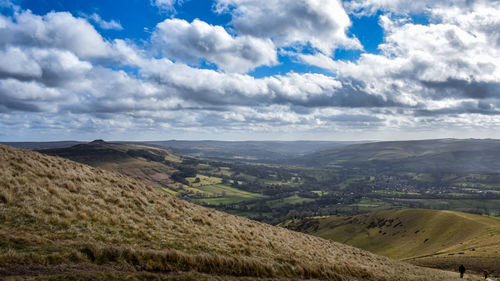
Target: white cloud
x=29 y=96
x=320 y=23
x=457 y=59
x=165 y=5
x=56 y=30
x=49 y=66
x=211 y=88
x=15 y=62
x=110 y=25
x=425 y=75
x=364 y=7
x=199 y=40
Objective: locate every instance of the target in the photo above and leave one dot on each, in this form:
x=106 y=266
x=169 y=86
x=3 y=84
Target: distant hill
x=153 y=166
x=433 y=238
x=42 y=145
x=252 y=151
x=442 y=155
x=70 y=221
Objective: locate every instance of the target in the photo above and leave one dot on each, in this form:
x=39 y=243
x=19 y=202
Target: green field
x=291 y=200
x=222 y=194
x=203 y=180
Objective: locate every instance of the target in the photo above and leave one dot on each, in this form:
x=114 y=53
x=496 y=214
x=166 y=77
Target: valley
x=404 y=200
x=350 y=179
x=62 y=220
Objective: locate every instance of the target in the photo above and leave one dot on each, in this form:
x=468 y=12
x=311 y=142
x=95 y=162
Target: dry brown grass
x=55 y=211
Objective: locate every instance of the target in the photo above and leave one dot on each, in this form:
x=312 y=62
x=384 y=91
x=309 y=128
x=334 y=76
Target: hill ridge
x=458 y=155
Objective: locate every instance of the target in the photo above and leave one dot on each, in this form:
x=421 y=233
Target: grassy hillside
x=428 y=237
x=445 y=155
x=62 y=220
x=147 y=164
x=157 y=167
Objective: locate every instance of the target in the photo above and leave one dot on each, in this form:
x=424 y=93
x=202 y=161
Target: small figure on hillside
x=461 y=269
x=485 y=274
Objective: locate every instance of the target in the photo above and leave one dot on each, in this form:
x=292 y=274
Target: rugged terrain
x=63 y=220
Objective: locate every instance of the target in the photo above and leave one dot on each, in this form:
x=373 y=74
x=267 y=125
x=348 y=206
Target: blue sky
x=248 y=69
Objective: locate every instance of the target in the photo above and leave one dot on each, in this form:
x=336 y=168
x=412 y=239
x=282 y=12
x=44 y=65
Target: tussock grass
x=57 y=212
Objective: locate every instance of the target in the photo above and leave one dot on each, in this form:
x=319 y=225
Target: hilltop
x=200 y=181
x=42 y=145
x=63 y=218
x=428 y=237
x=154 y=166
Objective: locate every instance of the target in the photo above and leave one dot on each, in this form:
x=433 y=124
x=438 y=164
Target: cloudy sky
x=249 y=69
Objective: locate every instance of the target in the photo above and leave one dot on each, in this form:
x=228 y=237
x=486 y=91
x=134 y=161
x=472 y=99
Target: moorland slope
x=64 y=219
x=432 y=238
x=151 y=165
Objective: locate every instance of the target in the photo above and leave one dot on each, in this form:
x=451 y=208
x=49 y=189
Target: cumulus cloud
x=366 y=7
x=52 y=67
x=53 y=77
x=199 y=40
x=109 y=25
x=456 y=59
x=166 y=5
x=211 y=88
x=28 y=96
x=54 y=30
x=16 y=63
x=320 y=23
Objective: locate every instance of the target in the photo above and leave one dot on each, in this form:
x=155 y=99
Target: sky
x=249 y=69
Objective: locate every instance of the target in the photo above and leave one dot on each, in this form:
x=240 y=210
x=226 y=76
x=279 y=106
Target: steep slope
x=153 y=166
x=429 y=237
x=445 y=155
x=61 y=217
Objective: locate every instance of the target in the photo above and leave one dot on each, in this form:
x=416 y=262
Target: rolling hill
x=441 y=155
x=62 y=220
x=153 y=166
x=432 y=238
x=42 y=145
